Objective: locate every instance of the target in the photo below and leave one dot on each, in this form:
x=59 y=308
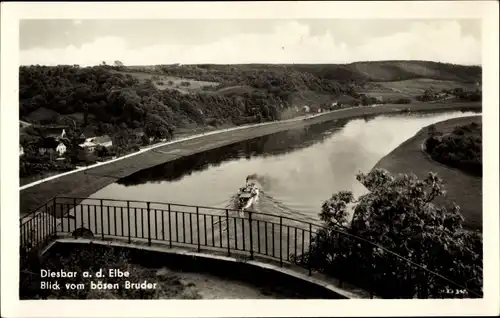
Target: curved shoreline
x=409 y=157
x=86 y=182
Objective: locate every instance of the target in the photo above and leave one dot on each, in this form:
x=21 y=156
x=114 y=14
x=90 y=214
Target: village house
x=48 y=146
x=54 y=141
x=61 y=148
x=90 y=144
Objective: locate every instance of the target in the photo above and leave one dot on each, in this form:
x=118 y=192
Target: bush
x=402 y=101
x=461 y=149
x=395 y=222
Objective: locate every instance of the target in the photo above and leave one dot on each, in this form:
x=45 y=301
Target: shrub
x=462 y=148
x=397 y=221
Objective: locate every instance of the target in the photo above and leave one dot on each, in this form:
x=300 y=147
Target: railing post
x=309 y=252
x=149 y=225
x=281 y=241
x=227 y=233
x=74 y=210
x=54 y=216
x=198 y=227
x=102 y=220
x=251 y=237
x=46 y=225
x=170 y=227
x=128 y=218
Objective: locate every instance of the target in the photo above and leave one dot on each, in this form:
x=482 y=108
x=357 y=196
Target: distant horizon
x=248 y=41
x=258 y=63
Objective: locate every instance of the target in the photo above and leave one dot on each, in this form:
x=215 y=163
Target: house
x=306 y=109
x=90 y=144
x=61 y=148
x=47 y=145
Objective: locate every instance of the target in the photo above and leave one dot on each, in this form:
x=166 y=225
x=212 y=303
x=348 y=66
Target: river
x=297 y=169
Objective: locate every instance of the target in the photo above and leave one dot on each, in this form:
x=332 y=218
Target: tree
x=156 y=127
x=398 y=217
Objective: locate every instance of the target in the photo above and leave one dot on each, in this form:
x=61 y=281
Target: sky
x=147 y=42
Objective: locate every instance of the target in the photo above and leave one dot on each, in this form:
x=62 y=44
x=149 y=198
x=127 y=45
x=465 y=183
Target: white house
x=61 y=149
x=91 y=143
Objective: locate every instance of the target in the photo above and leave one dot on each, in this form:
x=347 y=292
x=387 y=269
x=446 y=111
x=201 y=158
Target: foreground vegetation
x=399 y=216
x=462 y=148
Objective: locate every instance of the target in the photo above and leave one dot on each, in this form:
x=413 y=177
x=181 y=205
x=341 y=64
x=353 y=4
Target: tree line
x=462 y=148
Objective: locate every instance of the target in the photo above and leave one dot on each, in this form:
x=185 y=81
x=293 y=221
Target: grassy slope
x=412 y=87
x=465 y=190
x=195 y=86
x=387 y=71
x=396 y=78
x=376 y=71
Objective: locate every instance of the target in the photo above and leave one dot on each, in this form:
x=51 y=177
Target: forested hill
x=359 y=72
x=109 y=98
x=160 y=99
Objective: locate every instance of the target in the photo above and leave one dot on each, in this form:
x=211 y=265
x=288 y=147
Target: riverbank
x=84 y=183
x=463 y=189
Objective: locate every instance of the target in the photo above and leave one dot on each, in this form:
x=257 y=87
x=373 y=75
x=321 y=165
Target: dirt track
x=84 y=183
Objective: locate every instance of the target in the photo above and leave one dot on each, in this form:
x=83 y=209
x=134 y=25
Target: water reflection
x=270 y=145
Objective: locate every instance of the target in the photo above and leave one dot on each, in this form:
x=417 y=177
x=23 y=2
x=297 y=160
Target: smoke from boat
x=263 y=181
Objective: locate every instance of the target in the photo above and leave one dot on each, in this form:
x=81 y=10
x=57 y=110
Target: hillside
x=387 y=80
x=377 y=71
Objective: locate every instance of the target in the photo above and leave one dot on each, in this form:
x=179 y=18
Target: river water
x=297 y=169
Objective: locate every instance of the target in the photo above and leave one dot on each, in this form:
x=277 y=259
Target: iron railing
x=280 y=238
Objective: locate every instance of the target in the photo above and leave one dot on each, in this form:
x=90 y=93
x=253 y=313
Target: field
x=236 y=90
x=411 y=88
x=463 y=189
x=163 y=82
x=388 y=71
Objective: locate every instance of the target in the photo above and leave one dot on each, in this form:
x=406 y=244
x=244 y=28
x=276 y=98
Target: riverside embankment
x=85 y=183
x=464 y=189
